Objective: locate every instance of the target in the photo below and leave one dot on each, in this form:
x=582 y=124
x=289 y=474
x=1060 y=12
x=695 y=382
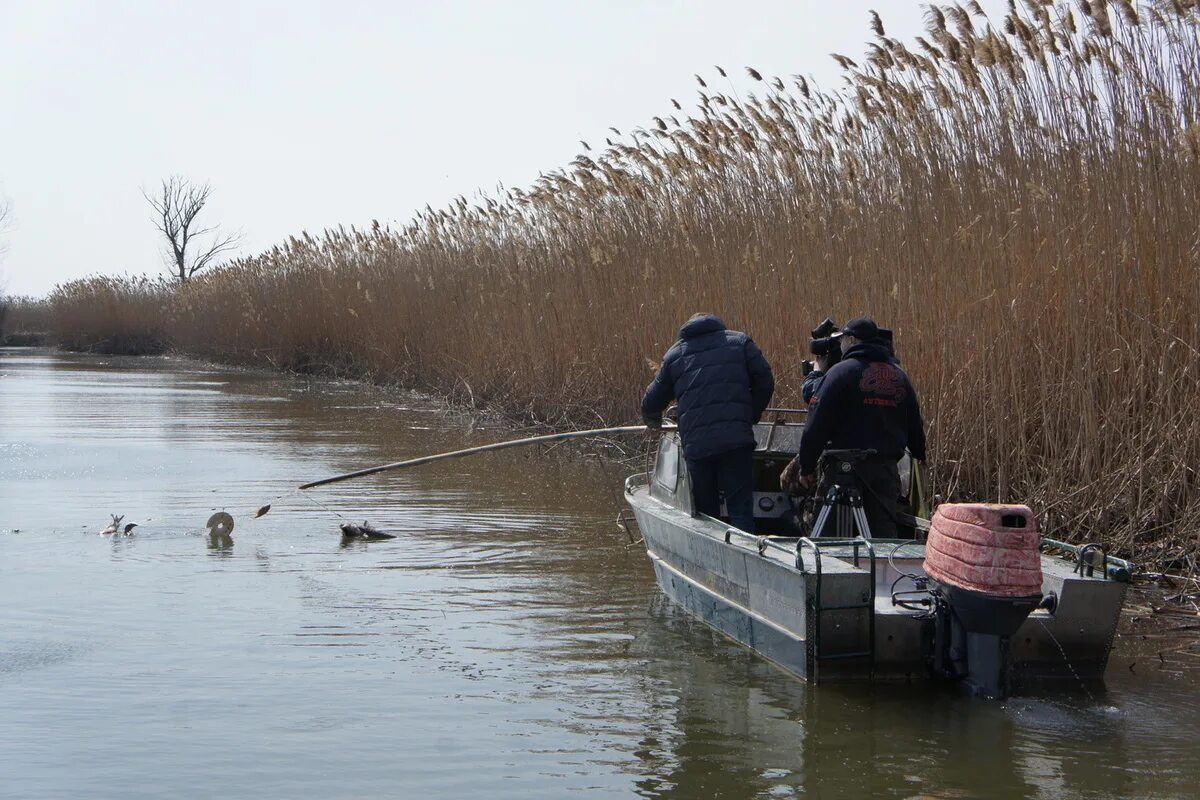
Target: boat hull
x=763 y=598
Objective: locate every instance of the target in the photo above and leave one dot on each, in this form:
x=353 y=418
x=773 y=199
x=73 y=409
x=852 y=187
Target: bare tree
x=5 y=221
x=190 y=247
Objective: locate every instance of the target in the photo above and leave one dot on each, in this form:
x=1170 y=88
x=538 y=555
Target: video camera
x=823 y=344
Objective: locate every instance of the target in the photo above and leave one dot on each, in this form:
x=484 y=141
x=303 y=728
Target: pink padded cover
x=970 y=549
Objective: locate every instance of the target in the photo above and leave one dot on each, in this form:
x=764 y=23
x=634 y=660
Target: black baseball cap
x=861 y=328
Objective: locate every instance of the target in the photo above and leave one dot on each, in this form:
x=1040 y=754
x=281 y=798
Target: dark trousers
x=732 y=474
x=879 y=484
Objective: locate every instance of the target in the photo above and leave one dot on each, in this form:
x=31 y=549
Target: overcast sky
x=304 y=115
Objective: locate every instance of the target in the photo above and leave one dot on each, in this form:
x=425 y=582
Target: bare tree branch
x=5 y=221
x=226 y=243
x=176 y=207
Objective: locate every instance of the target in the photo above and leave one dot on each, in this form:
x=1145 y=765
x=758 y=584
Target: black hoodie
x=865 y=402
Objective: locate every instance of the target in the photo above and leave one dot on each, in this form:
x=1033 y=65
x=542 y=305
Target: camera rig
x=823 y=344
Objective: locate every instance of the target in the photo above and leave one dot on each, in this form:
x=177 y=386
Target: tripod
x=842 y=505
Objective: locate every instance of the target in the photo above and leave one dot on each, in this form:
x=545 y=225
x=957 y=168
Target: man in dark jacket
x=865 y=402
x=722 y=385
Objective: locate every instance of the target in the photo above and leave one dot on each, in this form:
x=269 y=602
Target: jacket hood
x=869 y=351
x=699 y=325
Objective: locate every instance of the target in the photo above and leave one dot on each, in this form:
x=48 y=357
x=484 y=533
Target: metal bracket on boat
x=1086 y=562
x=760 y=542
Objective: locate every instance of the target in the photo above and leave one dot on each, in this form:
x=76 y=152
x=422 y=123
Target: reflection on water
x=222 y=542
x=508 y=644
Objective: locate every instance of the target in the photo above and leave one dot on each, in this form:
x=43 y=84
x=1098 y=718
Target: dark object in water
x=220 y=524
x=364 y=531
x=262 y=512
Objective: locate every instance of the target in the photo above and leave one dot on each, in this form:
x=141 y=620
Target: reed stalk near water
x=1018 y=199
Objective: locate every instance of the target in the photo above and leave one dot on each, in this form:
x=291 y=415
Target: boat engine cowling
x=984 y=565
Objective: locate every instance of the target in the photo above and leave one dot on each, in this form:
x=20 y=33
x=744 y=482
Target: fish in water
x=364 y=531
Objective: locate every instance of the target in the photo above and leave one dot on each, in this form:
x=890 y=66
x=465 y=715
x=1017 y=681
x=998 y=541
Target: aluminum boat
x=827 y=608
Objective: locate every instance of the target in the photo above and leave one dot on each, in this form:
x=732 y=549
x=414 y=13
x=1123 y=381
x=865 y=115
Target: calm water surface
x=508 y=644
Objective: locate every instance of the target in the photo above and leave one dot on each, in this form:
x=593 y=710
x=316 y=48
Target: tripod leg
x=860 y=519
x=846 y=520
x=818 y=528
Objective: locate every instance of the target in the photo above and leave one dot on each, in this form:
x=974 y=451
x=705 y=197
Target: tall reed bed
x=120 y=315
x=21 y=317
x=1016 y=198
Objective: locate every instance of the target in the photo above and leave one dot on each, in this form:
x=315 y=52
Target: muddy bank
x=116 y=346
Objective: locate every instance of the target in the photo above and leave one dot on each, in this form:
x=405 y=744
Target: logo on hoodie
x=882 y=384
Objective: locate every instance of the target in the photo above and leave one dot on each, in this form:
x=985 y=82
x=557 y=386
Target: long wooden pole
x=470 y=451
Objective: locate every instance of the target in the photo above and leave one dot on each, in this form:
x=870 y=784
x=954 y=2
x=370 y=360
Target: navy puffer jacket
x=721 y=382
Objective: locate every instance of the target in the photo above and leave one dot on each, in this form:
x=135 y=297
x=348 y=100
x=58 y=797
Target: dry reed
x=119 y=315
x=1016 y=198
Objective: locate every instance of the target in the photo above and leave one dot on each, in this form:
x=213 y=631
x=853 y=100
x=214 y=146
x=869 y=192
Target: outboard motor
x=985 y=571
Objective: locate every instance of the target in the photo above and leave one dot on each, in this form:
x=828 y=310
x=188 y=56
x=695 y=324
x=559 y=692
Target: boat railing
x=792 y=545
x=763 y=543
x=817 y=607
x=1089 y=557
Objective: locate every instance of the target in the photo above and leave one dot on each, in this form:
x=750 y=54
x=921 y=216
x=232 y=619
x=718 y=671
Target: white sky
x=306 y=114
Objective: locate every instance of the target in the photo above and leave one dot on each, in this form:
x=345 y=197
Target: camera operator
x=816 y=375
x=865 y=402
x=826 y=351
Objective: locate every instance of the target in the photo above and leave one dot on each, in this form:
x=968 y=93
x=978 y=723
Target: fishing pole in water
x=487 y=448
x=223 y=523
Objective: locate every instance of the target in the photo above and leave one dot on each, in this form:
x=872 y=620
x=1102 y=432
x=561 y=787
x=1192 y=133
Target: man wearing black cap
x=865 y=402
x=722 y=384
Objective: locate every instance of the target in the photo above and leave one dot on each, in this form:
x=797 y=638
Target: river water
x=509 y=642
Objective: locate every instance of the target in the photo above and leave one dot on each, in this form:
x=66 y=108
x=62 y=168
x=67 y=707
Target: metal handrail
x=774 y=542
x=1117 y=569
x=816 y=606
